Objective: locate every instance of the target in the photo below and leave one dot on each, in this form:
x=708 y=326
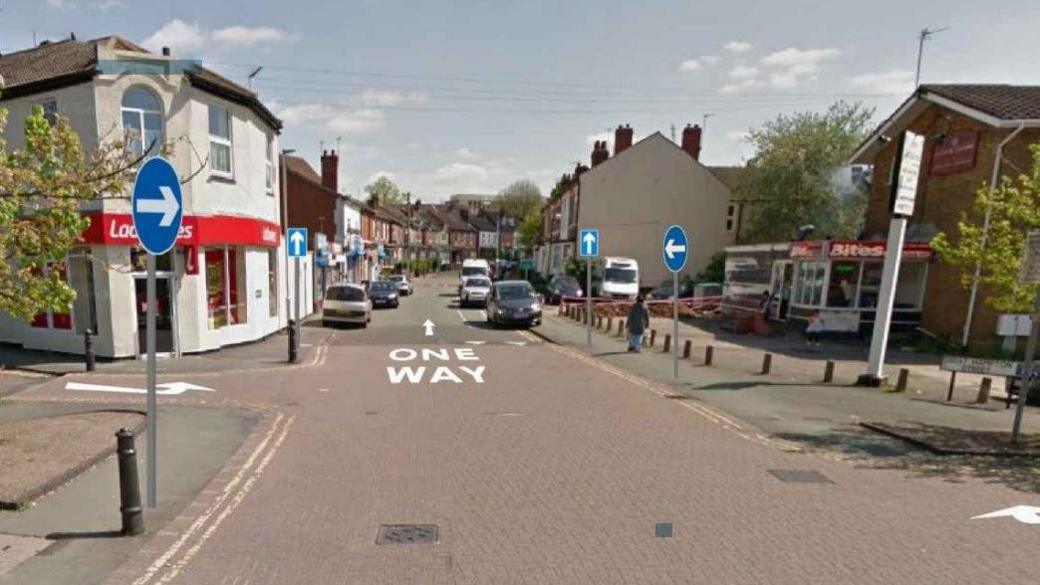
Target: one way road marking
x=167 y=206
x=167 y=389
x=1024 y=514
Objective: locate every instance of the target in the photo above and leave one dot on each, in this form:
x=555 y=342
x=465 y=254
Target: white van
x=473 y=267
x=617 y=278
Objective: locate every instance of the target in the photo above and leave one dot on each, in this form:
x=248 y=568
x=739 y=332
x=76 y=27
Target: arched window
x=142 y=121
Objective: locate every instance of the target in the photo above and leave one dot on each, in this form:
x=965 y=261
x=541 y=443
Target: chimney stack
x=622 y=139
x=330 y=170
x=691 y=141
x=599 y=152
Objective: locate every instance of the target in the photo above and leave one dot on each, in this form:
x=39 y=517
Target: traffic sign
x=156 y=206
x=674 y=248
x=588 y=239
x=297 y=242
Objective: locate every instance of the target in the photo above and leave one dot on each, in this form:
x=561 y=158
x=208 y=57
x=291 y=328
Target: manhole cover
x=408 y=534
x=799 y=476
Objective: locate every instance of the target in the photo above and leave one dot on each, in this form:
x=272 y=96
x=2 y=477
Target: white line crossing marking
x=461 y=316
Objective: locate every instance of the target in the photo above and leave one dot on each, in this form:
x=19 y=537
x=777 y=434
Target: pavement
x=518 y=460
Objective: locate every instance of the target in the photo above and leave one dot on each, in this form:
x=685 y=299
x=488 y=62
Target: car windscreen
x=397 y=278
x=382 y=286
x=345 y=293
x=478 y=282
x=514 y=292
x=567 y=282
x=473 y=270
x=623 y=275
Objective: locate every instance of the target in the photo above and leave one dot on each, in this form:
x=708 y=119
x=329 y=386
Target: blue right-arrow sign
x=674 y=248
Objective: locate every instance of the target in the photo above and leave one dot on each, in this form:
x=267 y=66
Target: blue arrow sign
x=588 y=243
x=296 y=242
x=674 y=248
x=156 y=206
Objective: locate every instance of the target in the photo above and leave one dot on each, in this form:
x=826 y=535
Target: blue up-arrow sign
x=588 y=242
x=156 y=206
x=674 y=248
x=297 y=242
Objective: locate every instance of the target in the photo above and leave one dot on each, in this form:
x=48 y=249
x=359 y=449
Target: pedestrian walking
x=813 y=329
x=637 y=322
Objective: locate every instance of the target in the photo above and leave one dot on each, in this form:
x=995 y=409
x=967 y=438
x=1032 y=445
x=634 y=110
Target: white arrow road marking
x=671 y=248
x=429 y=328
x=297 y=240
x=168 y=206
x=589 y=240
x=167 y=389
x=520 y=343
x=476 y=342
x=1024 y=514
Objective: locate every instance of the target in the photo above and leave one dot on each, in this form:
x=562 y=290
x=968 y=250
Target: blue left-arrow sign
x=156 y=206
x=674 y=248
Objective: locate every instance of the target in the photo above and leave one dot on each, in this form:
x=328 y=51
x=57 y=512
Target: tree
x=529 y=230
x=997 y=251
x=520 y=198
x=42 y=190
x=386 y=190
x=799 y=176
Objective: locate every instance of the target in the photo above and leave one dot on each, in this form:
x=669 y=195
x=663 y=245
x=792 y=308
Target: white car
x=404 y=288
x=475 y=291
x=346 y=303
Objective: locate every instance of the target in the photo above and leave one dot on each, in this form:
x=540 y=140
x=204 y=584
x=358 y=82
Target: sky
x=465 y=97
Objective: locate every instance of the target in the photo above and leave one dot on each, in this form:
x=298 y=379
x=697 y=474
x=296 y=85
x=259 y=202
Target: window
x=272 y=283
x=220 y=141
x=270 y=165
x=142 y=122
x=225 y=283
x=841 y=291
x=50 y=111
x=809 y=283
x=731 y=215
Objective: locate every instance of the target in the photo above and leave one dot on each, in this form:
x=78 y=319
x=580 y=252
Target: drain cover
x=799 y=476
x=663 y=530
x=408 y=534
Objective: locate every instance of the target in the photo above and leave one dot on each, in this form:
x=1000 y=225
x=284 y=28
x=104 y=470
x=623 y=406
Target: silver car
x=346 y=303
x=404 y=288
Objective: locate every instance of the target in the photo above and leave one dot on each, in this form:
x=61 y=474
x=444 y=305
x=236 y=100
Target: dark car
x=383 y=293
x=665 y=290
x=561 y=286
x=514 y=302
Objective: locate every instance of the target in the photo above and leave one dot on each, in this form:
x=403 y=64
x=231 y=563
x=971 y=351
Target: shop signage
x=191 y=260
x=195 y=230
x=874 y=250
x=955 y=154
x=909 y=173
x=807 y=250
x=954 y=363
x=840 y=321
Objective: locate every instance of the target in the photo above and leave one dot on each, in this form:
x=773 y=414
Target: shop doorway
x=163 y=315
x=780 y=287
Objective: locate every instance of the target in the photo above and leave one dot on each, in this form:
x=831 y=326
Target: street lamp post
x=284 y=178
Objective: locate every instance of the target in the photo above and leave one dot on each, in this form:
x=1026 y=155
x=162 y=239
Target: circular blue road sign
x=674 y=248
x=156 y=206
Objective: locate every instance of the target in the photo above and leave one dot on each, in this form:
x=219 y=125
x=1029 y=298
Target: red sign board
x=807 y=250
x=859 y=250
x=196 y=230
x=955 y=154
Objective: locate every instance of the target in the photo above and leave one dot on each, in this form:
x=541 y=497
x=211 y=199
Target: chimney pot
x=622 y=139
x=330 y=170
x=691 y=141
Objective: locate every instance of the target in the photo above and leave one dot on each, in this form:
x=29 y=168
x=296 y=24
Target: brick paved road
x=554 y=470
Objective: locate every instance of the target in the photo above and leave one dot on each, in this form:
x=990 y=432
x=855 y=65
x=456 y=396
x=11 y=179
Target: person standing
x=638 y=321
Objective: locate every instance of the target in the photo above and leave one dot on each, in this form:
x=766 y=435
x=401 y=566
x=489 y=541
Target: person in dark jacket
x=638 y=321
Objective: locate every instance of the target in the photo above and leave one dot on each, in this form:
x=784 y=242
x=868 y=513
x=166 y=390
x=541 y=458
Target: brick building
x=311 y=199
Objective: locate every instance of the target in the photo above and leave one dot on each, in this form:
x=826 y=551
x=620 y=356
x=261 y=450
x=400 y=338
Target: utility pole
x=704 y=125
x=923 y=36
x=285 y=223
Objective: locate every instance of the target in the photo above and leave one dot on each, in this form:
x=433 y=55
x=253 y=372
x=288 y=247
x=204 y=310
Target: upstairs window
x=220 y=141
x=142 y=122
x=270 y=165
x=50 y=111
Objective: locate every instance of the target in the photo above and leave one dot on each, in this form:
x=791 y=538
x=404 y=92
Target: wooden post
x=610 y=325
x=621 y=328
x=599 y=322
x=828 y=372
x=767 y=363
x=686 y=349
x=953 y=380
x=904 y=376
x=653 y=337
x=984 y=388
x=667 y=342
x=709 y=355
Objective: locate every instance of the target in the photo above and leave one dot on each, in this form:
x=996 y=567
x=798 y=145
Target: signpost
x=297 y=248
x=674 y=250
x=1029 y=274
x=588 y=248
x=157 y=212
x=904 y=192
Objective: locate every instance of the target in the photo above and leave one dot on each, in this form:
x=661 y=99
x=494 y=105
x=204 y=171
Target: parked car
x=664 y=291
x=475 y=291
x=473 y=267
x=404 y=288
x=514 y=302
x=383 y=293
x=563 y=285
x=346 y=303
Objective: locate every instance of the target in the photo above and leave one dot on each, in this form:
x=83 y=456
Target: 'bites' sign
x=860 y=250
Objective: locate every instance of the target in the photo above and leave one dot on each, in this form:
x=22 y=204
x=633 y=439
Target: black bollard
x=129 y=487
x=293 y=355
x=88 y=349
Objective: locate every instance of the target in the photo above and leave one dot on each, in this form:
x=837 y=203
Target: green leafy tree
x=386 y=190
x=715 y=271
x=997 y=252
x=520 y=198
x=796 y=175
x=43 y=187
x=529 y=229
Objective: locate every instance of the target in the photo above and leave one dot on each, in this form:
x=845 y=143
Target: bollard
x=709 y=355
x=599 y=322
x=621 y=328
x=129 y=487
x=904 y=375
x=610 y=325
x=984 y=388
x=653 y=337
x=828 y=372
x=767 y=363
x=667 y=343
x=293 y=354
x=686 y=349
x=88 y=349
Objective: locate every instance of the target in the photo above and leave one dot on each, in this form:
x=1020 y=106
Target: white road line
x=461 y=316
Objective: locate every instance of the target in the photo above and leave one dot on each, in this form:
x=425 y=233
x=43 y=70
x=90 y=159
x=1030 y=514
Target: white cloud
x=791 y=65
x=181 y=37
x=897 y=82
x=244 y=36
x=460 y=177
x=699 y=63
x=466 y=154
x=372 y=97
x=337 y=118
x=108 y=5
x=374 y=176
x=737 y=47
x=744 y=72
x=738 y=135
x=739 y=86
x=61 y=4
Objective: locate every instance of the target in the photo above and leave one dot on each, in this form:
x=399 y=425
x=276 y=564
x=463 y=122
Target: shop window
x=142 y=121
x=910 y=287
x=220 y=159
x=225 y=281
x=841 y=291
x=809 y=283
x=870 y=285
x=272 y=283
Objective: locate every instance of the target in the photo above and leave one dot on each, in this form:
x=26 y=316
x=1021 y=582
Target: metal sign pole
x=675 y=324
x=152 y=406
x=588 y=300
x=296 y=313
x=1027 y=370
